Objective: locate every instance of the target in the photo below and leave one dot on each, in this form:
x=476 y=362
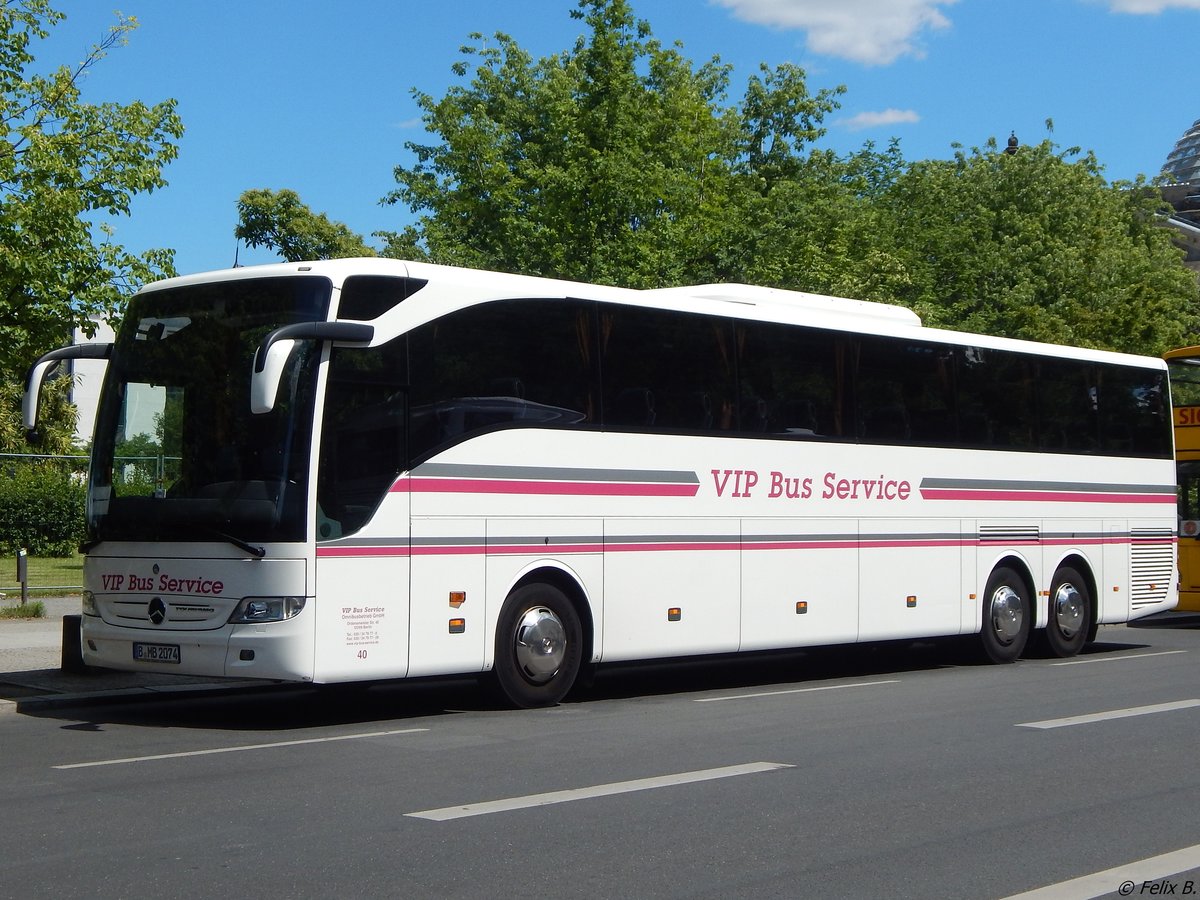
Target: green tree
x=614 y=162
x=1034 y=245
x=279 y=221
x=56 y=419
x=66 y=168
x=817 y=229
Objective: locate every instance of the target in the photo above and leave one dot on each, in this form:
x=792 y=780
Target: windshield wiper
x=256 y=552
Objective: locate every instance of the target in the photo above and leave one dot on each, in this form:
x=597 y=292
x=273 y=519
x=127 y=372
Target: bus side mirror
x=38 y=372
x=272 y=354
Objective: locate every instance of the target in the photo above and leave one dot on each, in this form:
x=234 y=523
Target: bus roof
x=451 y=287
x=1184 y=355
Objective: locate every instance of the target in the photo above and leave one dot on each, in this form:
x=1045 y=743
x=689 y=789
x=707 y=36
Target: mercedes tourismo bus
x=376 y=469
x=1183 y=366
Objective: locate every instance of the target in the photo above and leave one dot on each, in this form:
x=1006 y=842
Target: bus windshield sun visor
x=272 y=354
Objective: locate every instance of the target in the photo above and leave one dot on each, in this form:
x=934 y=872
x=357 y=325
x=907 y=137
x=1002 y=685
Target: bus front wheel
x=1070 y=613
x=539 y=646
x=1006 y=616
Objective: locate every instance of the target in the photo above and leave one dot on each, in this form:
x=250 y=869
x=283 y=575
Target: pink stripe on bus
x=576 y=488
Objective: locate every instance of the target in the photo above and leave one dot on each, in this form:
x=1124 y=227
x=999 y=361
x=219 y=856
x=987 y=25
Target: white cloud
x=1149 y=7
x=866 y=120
x=873 y=32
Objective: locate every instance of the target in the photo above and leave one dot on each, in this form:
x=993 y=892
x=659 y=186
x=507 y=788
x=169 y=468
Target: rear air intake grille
x=1152 y=565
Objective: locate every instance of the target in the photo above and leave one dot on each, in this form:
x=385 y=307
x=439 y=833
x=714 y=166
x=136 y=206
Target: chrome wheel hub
x=1068 y=610
x=540 y=644
x=1007 y=614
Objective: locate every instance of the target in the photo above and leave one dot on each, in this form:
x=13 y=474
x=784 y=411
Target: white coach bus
x=376 y=469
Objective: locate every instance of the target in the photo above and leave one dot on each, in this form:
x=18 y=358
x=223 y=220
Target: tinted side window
x=366 y=297
x=905 y=392
x=1135 y=416
x=1068 y=406
x=792 y=380
x=511 y=363
x=666 y=370
x=996 y=406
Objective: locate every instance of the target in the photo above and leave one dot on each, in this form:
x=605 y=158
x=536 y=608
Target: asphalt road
x=853 y=772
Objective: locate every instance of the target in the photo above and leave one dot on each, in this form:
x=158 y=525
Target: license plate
x=160 y=653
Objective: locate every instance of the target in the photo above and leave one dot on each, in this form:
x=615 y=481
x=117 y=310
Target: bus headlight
x=89 y=604
x=266 y=609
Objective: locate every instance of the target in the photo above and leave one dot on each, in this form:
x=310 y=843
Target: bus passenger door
x=362 y=517
x=362 y=599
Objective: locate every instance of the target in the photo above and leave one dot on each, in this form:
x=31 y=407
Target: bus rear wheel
x=539 y=646
x=1070 y=613
x=1006 y=616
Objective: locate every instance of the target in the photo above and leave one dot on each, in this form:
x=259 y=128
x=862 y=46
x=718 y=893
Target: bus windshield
x=178 y=455
x=1185 y=379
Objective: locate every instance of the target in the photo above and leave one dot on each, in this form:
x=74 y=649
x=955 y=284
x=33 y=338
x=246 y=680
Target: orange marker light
x=674 y=614
x=801 y=607
x=458 y=626
x=458 y=598
x=911 y=600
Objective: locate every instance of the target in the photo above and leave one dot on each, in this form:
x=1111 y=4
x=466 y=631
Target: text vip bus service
x=373 y=469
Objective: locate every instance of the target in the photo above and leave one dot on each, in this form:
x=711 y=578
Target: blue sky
x=316 y=97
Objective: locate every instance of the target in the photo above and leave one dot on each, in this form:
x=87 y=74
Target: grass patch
x=46 y=574
x=34 y=609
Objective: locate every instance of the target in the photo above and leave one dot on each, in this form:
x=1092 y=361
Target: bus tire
x=1006 y=616
x=539 y=646
x=1070 y=613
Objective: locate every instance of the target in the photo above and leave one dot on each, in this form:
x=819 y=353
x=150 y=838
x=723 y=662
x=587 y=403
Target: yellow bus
x=1184 y=368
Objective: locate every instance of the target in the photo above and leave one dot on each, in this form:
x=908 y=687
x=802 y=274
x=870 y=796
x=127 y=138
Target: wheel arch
x=1021 y=566
x=571 y=586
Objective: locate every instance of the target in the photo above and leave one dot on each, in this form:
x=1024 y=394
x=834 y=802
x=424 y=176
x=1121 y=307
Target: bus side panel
x=970 y=580
x=362 y=617
x=448 y=560
x=798 y=582
x=909 y=577
x=652 y=566
x=1112 y=604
